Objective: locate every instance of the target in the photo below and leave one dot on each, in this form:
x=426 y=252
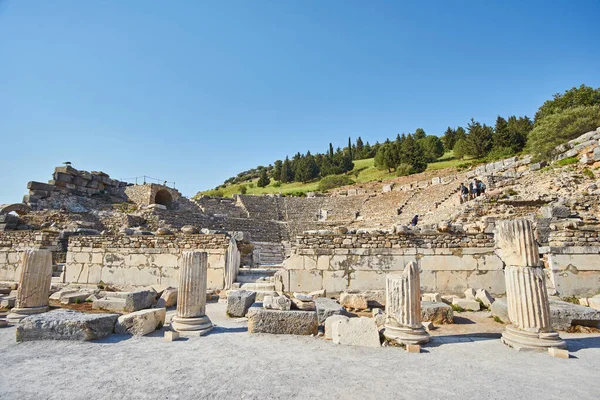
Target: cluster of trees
x=506 y=138
x=565 y=117
x=409 y=154
x=308 y=167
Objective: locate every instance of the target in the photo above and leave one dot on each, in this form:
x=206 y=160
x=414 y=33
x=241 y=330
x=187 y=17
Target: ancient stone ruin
x=346 y=265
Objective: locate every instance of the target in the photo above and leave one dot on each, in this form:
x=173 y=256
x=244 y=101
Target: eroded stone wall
x=146 y=260
x=12 y=244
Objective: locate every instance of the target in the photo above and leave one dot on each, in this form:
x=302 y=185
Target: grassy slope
x=363 y=171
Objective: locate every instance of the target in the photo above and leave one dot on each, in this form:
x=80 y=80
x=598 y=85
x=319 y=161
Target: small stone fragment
x=171 y=336
x=413 y=348
x=558 y=353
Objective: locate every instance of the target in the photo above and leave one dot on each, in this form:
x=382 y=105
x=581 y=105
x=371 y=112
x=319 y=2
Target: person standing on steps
x=464 y=193
x=481 y=186
x=415 y=220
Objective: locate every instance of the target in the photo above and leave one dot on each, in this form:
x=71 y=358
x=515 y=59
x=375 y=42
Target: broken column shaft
x=191 y=298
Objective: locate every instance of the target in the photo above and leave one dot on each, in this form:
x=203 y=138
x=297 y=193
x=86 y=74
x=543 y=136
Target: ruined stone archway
x=19 y=208
x=163 y=197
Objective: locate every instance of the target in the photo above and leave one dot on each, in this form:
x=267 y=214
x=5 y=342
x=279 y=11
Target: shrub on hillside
x=243 y=189
x=559 y=128
x=333 y=181
x=404 y=169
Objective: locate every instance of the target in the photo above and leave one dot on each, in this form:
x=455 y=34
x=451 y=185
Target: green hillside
x=363 y=171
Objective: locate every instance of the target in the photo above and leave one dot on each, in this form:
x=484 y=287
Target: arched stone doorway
x=163 y=197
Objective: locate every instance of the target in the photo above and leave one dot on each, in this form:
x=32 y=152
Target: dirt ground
x=462 y=361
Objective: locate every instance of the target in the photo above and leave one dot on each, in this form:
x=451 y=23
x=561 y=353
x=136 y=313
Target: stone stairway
x=58 y=273
x=269 y=253
x=259 y=280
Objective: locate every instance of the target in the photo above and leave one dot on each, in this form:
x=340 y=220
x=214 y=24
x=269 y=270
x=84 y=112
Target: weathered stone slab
x=356 y=332
x=562 y=314
x=239 y=301
x=326 y=308
x=77 y=297
x=483 y=296
x=127 y=301
x=303 y=305
x=356 y=301
x=66 y=325
x=330 y=321
x=282 y=322
x=467 y=304
x=438 y=313
x=140 y=323
x=168 y=298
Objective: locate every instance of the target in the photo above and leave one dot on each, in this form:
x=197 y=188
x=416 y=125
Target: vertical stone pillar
x=34 y=285
x=403 y=307
x=526 y=293
x=191 y=297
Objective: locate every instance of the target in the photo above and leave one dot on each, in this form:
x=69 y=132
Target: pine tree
x=276 y=171
x=479 y=139
x=501 y=137
x=449 y=138
x=460 y=134
x=412 y=154
x=432 y=148
x=359 y=149
x=420 y=134
x=264 y=179
x=350 y=147
x=330 y=150
x=286 y=171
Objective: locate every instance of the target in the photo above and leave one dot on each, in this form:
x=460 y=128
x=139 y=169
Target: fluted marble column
x=403 y=307
x=34 y=285
x=526 y=293
x=191 y=297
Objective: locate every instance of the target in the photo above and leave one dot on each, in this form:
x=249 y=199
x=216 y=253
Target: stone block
x=437 y=312
x=171 y=336
x=356 y=301
x=57 y=296
x=428 y=325
x=140 y=323
x=594 y=302
x=356 y=332
x=467 y=304
x=470 y=294
x=66 y=325
x=432 y=297
x=326 y=308
x=168 y=298
x=7 y=302
x=500 y=309
x=303 y=305
x=555 y=212
x=413 y=348
x=558 y=353
x=564 y=314
x=282 y=322
x=239 y=301
x=483 y=296
x=127 y=301
x=78 y=297
x=331 y=320
x=379 y=317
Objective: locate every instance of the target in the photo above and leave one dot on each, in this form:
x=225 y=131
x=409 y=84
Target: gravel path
x=231 y=364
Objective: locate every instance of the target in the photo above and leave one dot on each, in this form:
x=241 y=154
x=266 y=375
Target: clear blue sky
x=196 y=91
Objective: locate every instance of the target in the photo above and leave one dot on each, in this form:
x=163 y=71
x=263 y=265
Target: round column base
x=405 y=335
x=17 y=314
x=523 y=340
x=197 y=326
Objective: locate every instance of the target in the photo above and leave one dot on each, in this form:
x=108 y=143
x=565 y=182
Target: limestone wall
x=397 y=241
x=574 y=270
x=12 y=244
x=450 y=263
x=146 y=260
x=443 y=270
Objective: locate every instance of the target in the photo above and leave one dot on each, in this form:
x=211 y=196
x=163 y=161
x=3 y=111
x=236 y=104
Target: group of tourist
x=476 y=188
